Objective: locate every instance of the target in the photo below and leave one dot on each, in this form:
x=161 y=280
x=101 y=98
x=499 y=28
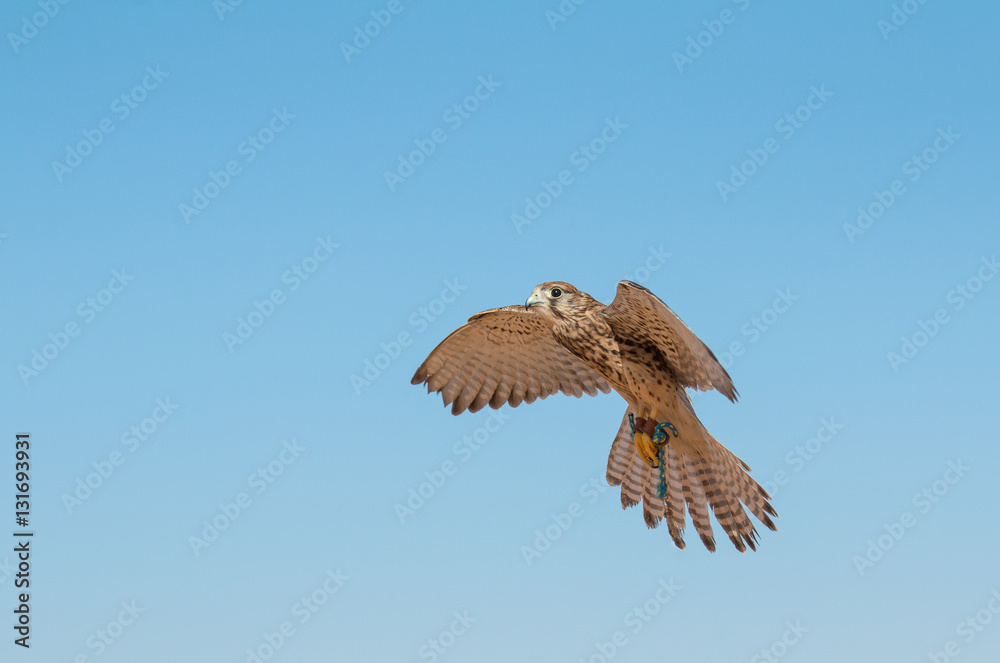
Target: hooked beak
x=535 y=298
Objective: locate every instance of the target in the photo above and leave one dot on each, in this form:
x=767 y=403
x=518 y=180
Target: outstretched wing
x=504 y=355
x=637 y=313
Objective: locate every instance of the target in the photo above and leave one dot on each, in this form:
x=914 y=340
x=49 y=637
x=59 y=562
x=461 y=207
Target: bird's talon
x=646 y=448
x=650 y=437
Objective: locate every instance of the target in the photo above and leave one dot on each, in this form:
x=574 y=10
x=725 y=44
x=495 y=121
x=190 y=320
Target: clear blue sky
x=234 y=213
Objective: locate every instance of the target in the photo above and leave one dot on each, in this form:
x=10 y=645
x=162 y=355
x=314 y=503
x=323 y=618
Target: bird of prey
x=564 y=340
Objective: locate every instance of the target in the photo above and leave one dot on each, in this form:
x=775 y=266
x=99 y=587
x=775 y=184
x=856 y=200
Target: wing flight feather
x=639 y=314
x=504 y=355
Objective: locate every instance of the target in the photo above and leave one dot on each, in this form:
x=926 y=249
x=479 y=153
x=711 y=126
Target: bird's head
x=559 y=300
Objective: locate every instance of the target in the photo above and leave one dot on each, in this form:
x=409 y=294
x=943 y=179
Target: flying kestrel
x=565 y=340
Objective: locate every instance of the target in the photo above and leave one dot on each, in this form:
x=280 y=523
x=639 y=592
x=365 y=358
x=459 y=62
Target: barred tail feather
x=697 y=480
x=676 y=511
x=622 y=453
x=750 y=493
x=694 y=495
x=653 y=507
x=632 y=487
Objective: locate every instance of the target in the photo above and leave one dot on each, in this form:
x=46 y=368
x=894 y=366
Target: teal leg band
x=660 y=438
x=661 y=488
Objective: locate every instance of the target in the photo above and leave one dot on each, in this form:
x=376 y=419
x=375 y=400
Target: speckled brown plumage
x=565 y=340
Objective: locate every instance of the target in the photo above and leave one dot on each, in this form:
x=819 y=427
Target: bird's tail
x=695 y=477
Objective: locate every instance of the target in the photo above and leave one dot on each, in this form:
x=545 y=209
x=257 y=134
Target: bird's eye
x=556 y=293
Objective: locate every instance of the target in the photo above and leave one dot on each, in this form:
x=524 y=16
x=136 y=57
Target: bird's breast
x=593 y=342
